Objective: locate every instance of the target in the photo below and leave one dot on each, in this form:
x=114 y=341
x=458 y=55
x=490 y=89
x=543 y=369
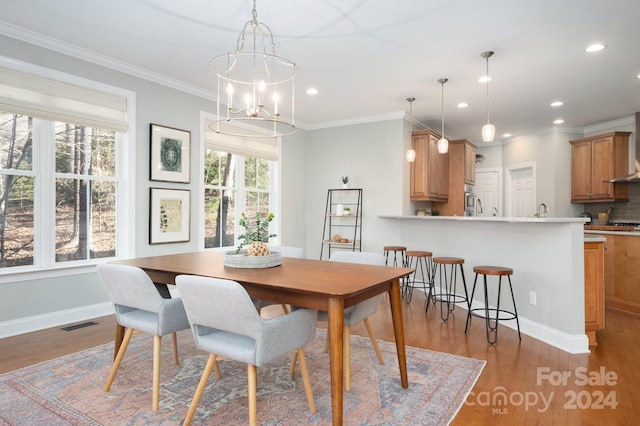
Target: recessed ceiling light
x=638 y=76
x=595 y=48
x=464 y=104
x=312 y=91
x=506 y=135
x=557 y=103
x=558 y=121
x=484 y=79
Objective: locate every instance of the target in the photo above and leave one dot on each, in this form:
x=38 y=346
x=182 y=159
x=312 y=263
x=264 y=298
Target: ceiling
x=367 y=56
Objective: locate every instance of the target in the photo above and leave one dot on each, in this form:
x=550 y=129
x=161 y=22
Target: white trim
x=357 y=120
x=54 y=319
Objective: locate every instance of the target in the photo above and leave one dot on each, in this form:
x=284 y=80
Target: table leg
x=336 y=343
x=398 y=329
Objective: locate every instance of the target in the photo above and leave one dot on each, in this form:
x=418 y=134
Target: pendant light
x=262 y=79
x=488 y=130
x=411 y=153
x=443 y=143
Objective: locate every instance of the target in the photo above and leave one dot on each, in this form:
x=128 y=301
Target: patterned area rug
x=68 y=390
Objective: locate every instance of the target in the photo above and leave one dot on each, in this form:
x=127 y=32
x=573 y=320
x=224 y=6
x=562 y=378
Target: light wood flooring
x=514 y=369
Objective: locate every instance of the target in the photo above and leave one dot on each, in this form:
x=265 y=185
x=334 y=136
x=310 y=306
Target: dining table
x=306 y=283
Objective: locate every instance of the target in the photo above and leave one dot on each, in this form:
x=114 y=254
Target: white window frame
x=44 y=224
x=274 y=198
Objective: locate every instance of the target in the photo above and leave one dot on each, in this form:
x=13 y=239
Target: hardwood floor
x=600 y=388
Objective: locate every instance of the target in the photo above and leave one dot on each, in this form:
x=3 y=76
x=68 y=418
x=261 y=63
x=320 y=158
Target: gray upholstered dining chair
x=139 y=306
x=285 y=251
x=225 y=323
x=358 y=312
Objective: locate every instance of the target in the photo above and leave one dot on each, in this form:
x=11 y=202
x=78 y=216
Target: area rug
x=68 y=390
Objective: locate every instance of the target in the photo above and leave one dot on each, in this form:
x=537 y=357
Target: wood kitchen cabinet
x=430 y=170
x=462 y=170
x=622 y=273
x=593 y=289
x=593 y=161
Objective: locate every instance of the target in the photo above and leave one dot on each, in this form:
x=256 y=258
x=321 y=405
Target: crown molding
x=357 y=120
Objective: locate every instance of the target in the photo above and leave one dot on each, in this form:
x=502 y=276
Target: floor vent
x=81 y=325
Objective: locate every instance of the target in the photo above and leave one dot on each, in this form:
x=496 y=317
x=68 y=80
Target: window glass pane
x=84 y=150
x=219 y=168
x=16 y=141
x=220 y=216
x=256 y=173
x=16 y=221
x=250 y=172
x=103 y=219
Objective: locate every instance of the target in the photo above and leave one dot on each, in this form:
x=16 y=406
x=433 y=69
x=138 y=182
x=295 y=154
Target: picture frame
x=169 y=215
x=170 y=154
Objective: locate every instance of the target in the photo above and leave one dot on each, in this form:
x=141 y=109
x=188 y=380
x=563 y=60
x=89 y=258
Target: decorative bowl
x=241 y=260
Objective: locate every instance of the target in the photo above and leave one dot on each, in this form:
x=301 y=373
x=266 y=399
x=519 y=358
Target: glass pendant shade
x=488 y=132
x=443 y=146
x=411 y=155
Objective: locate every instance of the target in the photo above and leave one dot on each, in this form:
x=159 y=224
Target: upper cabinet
x=430 y=170
x=462 y=170
x=596 y=159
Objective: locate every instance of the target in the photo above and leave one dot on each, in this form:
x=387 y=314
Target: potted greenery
x=345 y=181
x=257 y=254
x=347 y=211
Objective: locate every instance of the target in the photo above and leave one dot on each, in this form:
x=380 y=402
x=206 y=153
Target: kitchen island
x=546 y=254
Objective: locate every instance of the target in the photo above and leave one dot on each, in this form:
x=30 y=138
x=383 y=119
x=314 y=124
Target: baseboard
x=571 y=343
x=54 y=319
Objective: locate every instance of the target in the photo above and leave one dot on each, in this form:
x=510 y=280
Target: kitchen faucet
x=545 y=210
x=478 y=206
x=494 y=211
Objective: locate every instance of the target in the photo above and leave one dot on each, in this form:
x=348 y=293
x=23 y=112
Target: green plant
x=345 y=179
x=256 y=229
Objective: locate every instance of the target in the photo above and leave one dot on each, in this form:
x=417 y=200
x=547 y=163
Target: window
x=234 y=184
x=55 y=173
x=62 y=172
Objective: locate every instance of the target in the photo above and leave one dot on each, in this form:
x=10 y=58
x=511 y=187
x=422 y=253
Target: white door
x=488 y=190
x=521 y=191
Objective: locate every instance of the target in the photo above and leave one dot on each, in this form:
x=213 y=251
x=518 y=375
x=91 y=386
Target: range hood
x=633 y=177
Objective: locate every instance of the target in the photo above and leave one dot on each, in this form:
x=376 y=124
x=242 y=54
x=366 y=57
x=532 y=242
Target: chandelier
x=256 y=84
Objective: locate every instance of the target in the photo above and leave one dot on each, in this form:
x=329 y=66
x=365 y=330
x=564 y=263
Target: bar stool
x=447 y=294
x=395 y=249
x=500 y=272
x=418 y=260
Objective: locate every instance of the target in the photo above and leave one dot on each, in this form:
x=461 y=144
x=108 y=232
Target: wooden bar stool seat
x=401 y=250
x=421 y=261
x=493 y=315
x=448 y=279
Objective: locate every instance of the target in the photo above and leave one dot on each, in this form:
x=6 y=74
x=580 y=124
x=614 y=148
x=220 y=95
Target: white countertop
x=491 y=219
x=627 y=233
x=591 y=238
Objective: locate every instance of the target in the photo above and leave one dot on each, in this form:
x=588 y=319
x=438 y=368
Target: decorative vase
x=345 y=186
x=258 y=248
x=339 y=210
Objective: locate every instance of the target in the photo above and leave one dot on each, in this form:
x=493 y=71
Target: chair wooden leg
x=211 y=363
x=374 y=342
x=216 y=366
x=118 y=360
x=253 y=394
x=157 y=340
x=174 y=344
x=285 y=308
x=305 y=379
x=294 y=358
x=347 y=357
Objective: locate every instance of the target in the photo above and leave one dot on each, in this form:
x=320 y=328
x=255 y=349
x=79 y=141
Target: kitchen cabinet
x=430 y=170
x=622 y=274
x=462 y=170
x=593 y=161
x=594 y=299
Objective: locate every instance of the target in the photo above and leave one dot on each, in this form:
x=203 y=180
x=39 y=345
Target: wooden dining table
x=314 y=284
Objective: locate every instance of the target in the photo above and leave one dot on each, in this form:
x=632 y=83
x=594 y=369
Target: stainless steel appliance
x=469 y=200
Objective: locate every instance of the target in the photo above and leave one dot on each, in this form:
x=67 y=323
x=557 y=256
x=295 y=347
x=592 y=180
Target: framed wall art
x=170 y=154
x=169 y=215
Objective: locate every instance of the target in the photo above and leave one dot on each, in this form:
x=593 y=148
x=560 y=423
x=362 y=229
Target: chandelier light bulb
x=488 y=132
x=443 y=146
